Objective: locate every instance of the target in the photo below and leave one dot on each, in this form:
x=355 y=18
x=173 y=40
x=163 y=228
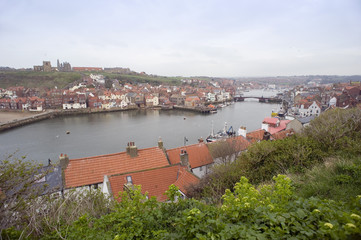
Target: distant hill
x=61 y=79
x=297 y=80
x=140 y=78
x=37 y=79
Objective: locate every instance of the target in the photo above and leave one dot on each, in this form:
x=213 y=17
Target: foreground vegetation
x=331 y=144
x=317 y=196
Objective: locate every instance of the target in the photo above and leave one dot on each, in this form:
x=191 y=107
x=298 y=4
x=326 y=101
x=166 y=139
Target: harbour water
x=105 y=133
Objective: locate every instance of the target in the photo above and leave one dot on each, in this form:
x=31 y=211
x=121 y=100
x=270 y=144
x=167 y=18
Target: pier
x=194 y=109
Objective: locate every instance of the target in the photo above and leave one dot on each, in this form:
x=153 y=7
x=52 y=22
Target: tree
x=108 y=83
x=20 y=182
x=226 y=151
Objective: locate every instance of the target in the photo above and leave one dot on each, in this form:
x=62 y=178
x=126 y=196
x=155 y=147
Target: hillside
x=304 y=187
x=329 y=149
x=37 y=79
x=33 y=79
x=138 y=78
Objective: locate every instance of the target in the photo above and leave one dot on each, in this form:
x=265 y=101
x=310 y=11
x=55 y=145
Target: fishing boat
x=222 y=134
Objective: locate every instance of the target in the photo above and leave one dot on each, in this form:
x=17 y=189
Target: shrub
x=337 y=130
x=271 y=212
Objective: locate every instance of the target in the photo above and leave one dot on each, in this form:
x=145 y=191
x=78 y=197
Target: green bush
x=337 y=130
x=271 y=212
x=269 y=158
x=259 y=164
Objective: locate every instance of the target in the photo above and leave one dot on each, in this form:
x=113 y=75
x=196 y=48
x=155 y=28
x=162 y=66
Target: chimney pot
x=160 y=143
x=132 y=150
x=63 y=161
x=184 y=159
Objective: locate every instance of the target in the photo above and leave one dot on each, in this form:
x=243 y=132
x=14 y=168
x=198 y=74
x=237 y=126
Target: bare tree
x=225 y=151
x=20 y=182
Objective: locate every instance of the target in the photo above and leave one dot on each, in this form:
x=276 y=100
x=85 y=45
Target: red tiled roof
x=256 y=135
x=271 y=120
x=192 y=98
x=87 y=68
x=198 y=155
x=282 y=126
x=239 y=142
x=91 y=170
x=185 y=178
x=283 y=134
x=155 y=181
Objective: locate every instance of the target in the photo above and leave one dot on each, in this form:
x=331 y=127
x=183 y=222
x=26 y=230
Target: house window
x=129 y=179
x=201 y=168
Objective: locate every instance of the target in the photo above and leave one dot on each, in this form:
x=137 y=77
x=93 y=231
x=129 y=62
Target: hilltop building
x=63 y=67
x=87 y=69
x=46 y=67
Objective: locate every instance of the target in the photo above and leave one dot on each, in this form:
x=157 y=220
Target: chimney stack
x=160 y=143
x=266 y=136
x=132 y=150
x=63 y=161
x=242 y=131
x=184 y=159
x=265 y=126
x=127 y=148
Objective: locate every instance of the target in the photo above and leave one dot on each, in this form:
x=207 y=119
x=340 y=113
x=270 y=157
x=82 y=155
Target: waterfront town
x=94 y=91
x=157 y=168
x=180 y=120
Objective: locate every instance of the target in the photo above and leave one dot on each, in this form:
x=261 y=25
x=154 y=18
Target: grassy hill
x=37 y=79
x=135 y=78
x=323 y=161
x=61 y=79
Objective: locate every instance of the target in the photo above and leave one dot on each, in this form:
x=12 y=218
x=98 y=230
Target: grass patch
x=144 y=79
x=32 y=79
x=338 y=178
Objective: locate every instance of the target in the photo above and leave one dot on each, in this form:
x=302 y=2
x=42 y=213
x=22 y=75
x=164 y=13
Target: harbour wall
x=56 y=113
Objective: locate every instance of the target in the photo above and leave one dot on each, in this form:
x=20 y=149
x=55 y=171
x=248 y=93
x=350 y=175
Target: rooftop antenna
x=185 y=141
x=212 y=131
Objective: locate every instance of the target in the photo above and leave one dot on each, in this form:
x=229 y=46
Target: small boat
x=67 y=132
x=222 y=134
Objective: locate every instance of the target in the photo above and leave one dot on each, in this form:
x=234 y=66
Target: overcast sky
x=186 y=38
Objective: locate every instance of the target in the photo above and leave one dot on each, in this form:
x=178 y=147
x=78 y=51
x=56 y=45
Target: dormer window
x=129 y=179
